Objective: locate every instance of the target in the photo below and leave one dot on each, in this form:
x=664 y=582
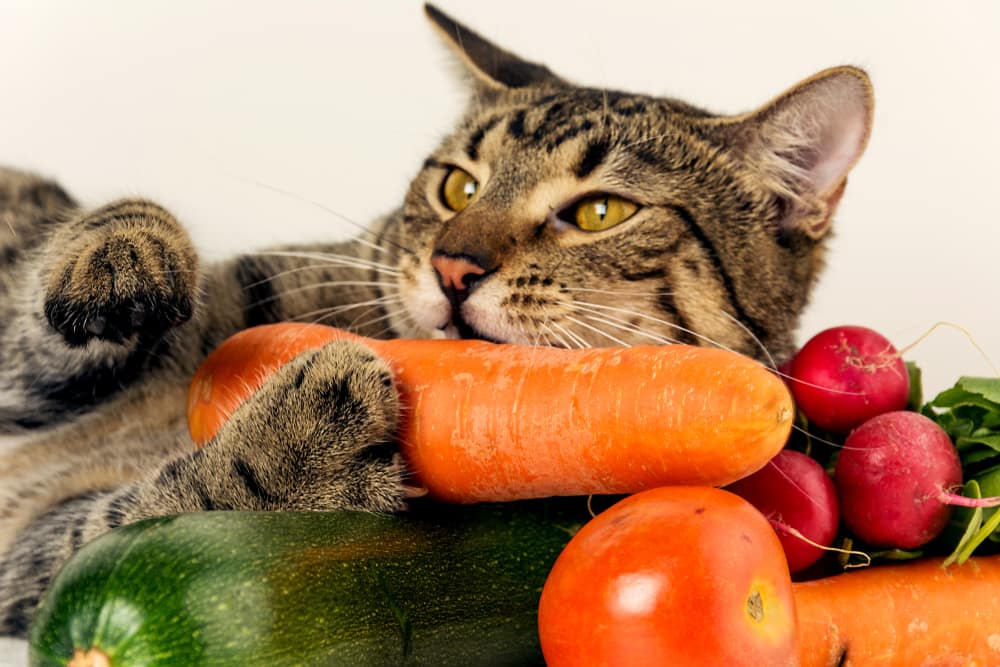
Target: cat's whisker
x=360 y=321
x=574 y=337
x=383 y=318
x=336 y=310
x=365 y=229
x=537 y=337
x=369 y=244
x=282 y=274
x=597 y=330
x=332 y=259
x=625 y=326
x=408 y=319
x=534 y=336
x=562 y=338
x=549 y=333
x=333 y=283
x=657 y=320
x=618 y=322
x=754 y=338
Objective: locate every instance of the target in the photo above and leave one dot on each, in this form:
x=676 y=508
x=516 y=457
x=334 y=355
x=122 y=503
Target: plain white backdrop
x=203 y=104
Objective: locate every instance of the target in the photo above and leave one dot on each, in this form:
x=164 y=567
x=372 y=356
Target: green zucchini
x=437 y=586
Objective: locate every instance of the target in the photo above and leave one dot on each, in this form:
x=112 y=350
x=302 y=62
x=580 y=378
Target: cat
x=553 y=214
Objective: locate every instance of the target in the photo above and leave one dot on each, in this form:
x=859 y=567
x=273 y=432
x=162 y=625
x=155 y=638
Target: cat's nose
x=457 y=275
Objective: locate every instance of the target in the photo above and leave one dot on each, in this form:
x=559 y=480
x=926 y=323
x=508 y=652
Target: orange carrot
x=911 y=614
x=488 y=422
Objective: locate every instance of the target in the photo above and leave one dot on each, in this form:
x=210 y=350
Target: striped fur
x=105 y=313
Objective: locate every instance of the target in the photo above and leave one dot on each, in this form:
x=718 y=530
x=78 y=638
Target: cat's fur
x=106 y=313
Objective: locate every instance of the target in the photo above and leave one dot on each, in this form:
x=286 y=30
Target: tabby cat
x=553 y=214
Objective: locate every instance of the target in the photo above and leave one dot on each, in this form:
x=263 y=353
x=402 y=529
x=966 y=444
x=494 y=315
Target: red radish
x=797 y=497
x=895 y=477
x=846 y=375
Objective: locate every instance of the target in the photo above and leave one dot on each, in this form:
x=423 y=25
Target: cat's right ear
x=804 y=143
x=492 y=67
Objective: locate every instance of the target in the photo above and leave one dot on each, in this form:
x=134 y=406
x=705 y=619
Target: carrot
x=489 y=422
x=917 y=613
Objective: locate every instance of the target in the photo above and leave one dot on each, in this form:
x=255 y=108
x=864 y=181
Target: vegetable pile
x=761 y=572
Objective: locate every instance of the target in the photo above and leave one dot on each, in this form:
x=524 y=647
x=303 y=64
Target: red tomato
x=671 y=576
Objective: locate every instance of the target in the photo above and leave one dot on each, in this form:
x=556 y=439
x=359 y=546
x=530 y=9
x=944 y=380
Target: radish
x=798 y=498
x=846 y=375
x=895 y=477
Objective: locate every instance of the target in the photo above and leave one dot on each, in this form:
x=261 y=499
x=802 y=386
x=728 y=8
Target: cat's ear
x=491 y=66
x=806 y=141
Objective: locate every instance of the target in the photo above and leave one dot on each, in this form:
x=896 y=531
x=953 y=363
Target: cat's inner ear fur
x=804 y=143
x=492 y=67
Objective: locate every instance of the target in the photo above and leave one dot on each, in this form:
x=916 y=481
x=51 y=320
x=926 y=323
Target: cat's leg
x=87 y=305
x=28 y=204
x=29 y=207
x=315 y=437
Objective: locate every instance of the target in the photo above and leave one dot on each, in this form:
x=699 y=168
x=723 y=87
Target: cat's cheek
x=425 y=303
x=485 y=312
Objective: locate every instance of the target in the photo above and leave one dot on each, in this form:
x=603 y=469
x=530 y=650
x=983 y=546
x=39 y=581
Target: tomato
x=671 y=576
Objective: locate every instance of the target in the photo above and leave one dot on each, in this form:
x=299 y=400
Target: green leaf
x=985 y=531
x=977 y=455
x=988 y=388
x=970 y=413
x=991 y=440
x=916 y=387
x=956 y=396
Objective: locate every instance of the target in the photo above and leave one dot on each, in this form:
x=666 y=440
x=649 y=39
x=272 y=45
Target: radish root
x=949 y=498
x=783 y=527
x=960 y=328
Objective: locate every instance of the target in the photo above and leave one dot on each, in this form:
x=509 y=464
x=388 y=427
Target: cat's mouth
x=457 y=327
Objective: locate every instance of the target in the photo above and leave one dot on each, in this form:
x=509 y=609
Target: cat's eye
x=459 y=189
x=600 y=212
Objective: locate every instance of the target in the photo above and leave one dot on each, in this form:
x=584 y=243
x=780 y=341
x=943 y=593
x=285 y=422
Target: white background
x=199 y=103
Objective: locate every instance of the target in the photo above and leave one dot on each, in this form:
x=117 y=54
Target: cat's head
x=572 y=216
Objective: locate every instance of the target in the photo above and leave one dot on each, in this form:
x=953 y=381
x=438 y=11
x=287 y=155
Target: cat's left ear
x=804 y=143
x=492 y=67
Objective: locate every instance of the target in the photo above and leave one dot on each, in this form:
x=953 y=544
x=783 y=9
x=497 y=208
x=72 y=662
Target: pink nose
x=456 y=273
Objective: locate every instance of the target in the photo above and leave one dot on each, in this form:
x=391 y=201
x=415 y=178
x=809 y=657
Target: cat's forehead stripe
x=592 y=158
x=555 y=119
x=472 y=147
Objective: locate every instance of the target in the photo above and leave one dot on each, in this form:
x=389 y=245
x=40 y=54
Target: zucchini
x=441 y=585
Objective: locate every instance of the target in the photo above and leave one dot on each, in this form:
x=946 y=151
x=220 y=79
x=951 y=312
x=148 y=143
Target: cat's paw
x=321 y=430
x=132 y=272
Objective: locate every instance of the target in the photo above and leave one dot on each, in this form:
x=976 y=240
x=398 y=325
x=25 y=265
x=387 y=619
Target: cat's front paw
x=319 y=434
x=133 y=271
